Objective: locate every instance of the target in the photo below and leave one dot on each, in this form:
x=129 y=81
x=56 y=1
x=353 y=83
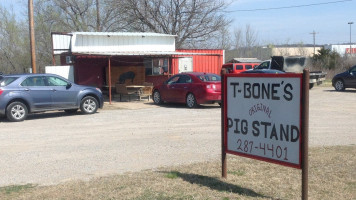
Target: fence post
x=223 y=153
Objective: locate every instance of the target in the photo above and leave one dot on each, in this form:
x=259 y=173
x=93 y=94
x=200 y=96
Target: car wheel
x=191 y=101
x=89 y=105
x=157 y=97
x=339 y=85
x=16 y=112
x=71 y=111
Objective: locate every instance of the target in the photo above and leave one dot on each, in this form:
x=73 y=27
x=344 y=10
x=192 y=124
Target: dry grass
x=331 y=176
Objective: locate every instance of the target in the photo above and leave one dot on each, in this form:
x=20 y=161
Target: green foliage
x=154 y=195
x=237 y=173
x=172 y=175
x=15 y=188
x=326 y=59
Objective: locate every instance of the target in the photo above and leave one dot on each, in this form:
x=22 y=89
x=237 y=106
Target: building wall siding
x=202 y=63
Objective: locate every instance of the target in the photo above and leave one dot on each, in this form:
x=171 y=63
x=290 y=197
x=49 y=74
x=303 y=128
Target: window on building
x=239 y=67
x=248 y=66
x=156 y=66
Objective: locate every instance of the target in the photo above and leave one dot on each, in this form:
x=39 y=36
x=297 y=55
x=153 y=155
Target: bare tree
x=14 y=47
x=191 y=20
x=245 y=42
x=237 y=38
x=80 y=15
x=302 y=50
x=197 y=23
x=222 y=40
x=250 y=36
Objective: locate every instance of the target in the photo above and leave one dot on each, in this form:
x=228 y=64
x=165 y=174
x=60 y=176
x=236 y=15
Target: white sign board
x=185 y=64
x=66 y=71
x=263 y=117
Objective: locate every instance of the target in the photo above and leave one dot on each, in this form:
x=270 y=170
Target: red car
x=192 y=88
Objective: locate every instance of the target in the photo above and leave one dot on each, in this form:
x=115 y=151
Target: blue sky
x=294 y=25
x=279 y=26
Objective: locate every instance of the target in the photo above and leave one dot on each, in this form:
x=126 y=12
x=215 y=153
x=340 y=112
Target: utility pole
x=32 y=36
x=350 y=37
x=314 y=33
x=97 y=16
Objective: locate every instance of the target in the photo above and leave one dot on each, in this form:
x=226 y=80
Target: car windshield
x=209 y=77
x=4 y=81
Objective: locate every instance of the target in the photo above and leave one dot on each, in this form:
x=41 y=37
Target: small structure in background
x=343 y=49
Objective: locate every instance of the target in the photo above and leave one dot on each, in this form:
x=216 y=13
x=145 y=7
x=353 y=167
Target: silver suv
x=29 y=93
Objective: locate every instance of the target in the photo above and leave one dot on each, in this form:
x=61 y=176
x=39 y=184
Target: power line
x=286 y=7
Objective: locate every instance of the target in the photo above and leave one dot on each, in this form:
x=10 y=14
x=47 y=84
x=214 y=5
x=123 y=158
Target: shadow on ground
x=216 y=184
x=345 y=91
x=145 y=103
x=44 y=115
x=183 y=105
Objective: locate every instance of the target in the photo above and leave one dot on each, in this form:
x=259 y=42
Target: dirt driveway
x=51 y=148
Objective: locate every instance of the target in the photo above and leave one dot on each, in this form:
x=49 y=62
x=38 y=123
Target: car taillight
x=212 y=86
x=1 y=91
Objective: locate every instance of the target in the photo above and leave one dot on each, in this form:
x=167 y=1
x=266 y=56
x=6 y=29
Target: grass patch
x=327 y=83
x=236 y=173
x=152 y=195
x=8 y=190
x=331 y=176
x=352 y=185
x=172 y=175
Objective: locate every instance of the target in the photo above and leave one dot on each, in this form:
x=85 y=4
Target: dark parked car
x=29 y=93
x=345 y=79
x=192 y=88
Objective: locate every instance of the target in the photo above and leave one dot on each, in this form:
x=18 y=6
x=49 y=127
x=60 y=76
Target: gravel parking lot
x=50 y=148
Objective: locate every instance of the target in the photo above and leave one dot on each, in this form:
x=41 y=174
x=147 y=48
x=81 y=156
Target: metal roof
x=94 y=42
x=141 y=53
x=245 y=60
x=117 y=44
x=144 y=34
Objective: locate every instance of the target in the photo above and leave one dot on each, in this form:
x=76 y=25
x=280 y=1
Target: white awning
x=142 y=53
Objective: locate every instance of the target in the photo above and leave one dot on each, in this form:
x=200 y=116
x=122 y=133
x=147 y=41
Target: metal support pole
x=223 y=153
x=305 y=134
x=110 y=80
x=53 y=58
